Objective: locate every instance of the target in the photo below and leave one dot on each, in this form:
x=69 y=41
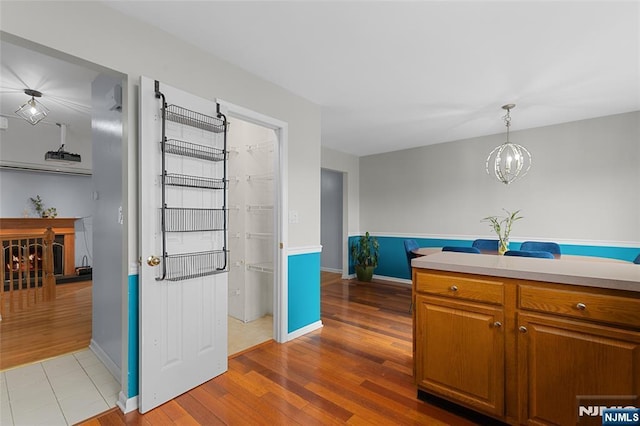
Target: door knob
x=153 y=260
x=522 y=329
x=497 y=324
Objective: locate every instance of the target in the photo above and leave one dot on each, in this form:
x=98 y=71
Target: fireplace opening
x=23 y=259
x=26 y=232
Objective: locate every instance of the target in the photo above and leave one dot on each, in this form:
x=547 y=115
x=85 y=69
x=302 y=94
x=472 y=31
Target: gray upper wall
x=583 y=186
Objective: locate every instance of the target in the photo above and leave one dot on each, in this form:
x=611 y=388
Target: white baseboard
x=304 y=330
x=394 y=279
x=127 y=404
x=338 y=271
x=104 y=358
x=382 y=278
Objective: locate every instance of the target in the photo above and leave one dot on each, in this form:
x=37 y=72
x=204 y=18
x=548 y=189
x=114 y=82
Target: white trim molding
x=125 y=404
x=293 y=251
x=514 y=238
x=402 y=281
x=304 y=330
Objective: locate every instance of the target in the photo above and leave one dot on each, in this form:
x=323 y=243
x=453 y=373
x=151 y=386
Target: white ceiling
x=65 y=87
x=394 y=75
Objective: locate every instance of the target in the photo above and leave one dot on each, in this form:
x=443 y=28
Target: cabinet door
x=561 y=361
x=460 y=352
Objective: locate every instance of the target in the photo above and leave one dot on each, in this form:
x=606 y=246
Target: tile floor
x=245 y=335
x=74 y=387
x=58 y=391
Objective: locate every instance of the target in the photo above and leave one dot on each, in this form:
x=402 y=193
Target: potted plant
x=502 y=227
x=364 y=255
x=38 y=206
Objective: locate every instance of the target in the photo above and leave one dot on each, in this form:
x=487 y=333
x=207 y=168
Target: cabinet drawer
x=596 y=307
x=458 y=287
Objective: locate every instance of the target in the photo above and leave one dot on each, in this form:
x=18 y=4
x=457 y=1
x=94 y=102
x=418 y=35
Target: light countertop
x=612 y=275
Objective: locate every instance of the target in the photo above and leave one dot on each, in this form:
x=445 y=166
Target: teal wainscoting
x=132 y=376
x=393 y=261
x=304 y=290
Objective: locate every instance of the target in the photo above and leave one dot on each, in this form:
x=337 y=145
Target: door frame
x=343 y=246
x=280 y=291
x=121 y=373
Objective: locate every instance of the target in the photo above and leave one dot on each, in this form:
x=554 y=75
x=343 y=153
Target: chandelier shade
x=509 y=161
x=32 y=111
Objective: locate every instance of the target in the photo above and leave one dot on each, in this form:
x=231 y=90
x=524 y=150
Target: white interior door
x=183 y=316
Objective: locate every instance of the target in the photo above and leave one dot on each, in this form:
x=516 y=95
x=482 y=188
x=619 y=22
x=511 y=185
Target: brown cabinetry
x=561 y=360
x=459 y=339
x=460 y=352
x=524 y=352
x=575 y=345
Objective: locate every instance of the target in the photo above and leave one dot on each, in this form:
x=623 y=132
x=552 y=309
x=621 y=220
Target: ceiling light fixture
x=32 y=111
x=508 y=161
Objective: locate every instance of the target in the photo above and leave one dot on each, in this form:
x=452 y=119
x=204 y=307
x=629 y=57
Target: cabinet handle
x=497 y=324
x=523 y=329
x=453 y=288
x=581 y=306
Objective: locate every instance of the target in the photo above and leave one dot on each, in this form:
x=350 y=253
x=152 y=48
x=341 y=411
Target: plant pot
x=364 y=273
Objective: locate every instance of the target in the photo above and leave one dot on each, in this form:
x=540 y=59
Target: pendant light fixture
x=508 y=161
x=33 y=111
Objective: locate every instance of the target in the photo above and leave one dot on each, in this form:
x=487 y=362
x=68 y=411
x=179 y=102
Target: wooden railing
x=27 y=271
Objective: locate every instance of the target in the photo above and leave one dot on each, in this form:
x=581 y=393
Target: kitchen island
x=525 y=340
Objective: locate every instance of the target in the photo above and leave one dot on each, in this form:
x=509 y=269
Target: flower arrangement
x=502 y=227
x=38 y=206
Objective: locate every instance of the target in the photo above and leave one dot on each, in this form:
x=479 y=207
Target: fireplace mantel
x=14 y=227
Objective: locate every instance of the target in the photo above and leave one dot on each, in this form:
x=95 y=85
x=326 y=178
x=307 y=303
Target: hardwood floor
x=47 y=329
x=357 y=369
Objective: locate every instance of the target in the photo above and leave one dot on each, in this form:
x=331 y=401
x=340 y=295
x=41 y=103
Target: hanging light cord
x=507 y=122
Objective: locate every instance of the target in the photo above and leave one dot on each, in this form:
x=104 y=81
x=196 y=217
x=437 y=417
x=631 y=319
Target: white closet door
x=183 y=323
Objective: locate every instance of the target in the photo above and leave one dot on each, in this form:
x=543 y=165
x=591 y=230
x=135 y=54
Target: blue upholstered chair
x=409 y=247
x=486 y=246
x=473 y=250
x=637 y=261
x=530 y=253
x=552 y=248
